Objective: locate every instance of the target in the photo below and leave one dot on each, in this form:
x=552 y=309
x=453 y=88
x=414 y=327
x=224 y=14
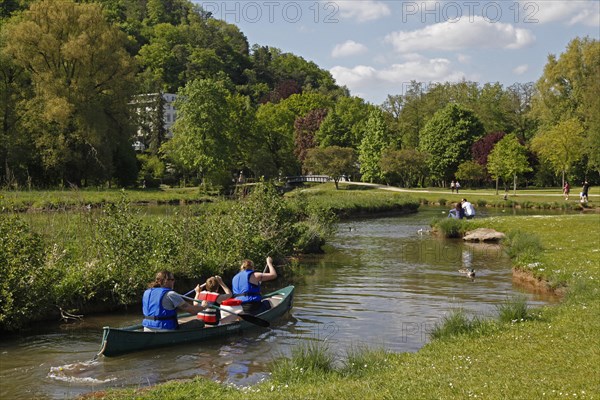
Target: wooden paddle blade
x=254 y=320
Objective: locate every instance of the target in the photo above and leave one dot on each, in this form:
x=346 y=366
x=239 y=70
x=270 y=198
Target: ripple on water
x=80 y=372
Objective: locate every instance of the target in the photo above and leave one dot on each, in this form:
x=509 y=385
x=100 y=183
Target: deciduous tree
x=448 y=137
x=569 y=89
x=561 y=146
x=375 y=140
x=507 y=160
x=304 y=132
x=202 y=135
x=407 y=167
x=83 y=79
x=334 y=161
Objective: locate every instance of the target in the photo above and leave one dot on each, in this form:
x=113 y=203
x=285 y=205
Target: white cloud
x=459 y=35
x=586 y=12
x=363 y=10
x=521 y=69
x=348 y=48
x=464 y=59
x=421 y=70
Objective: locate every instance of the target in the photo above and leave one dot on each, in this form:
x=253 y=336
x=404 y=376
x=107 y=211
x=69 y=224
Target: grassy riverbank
x=543 y=198
x=553 y=353
x=45 y=200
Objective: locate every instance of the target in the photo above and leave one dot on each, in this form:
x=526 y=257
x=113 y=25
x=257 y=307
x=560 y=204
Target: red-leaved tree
x=304 y=132
x=483 y=147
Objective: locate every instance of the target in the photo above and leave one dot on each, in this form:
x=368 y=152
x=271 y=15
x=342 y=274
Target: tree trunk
x=515 y=184
x=497 y=179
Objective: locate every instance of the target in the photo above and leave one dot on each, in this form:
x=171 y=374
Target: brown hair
x=247 y=264
x=212 y=285
x=160 y=279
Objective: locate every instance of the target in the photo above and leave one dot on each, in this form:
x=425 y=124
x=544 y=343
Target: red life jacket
x=210 y=316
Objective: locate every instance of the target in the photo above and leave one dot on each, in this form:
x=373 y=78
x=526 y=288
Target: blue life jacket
x=243 y=289
x=156 y=316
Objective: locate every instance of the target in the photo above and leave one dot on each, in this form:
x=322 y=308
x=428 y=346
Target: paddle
x=246 y=317
x=194 y=289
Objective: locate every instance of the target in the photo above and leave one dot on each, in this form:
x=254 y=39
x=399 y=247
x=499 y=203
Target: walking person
x=566 y=190
x=452 y=185
x=584 y=192
x=457 y=185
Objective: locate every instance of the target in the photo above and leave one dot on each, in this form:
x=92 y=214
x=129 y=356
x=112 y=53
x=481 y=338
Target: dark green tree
x=202 y=142
x=345 y=124
x=375 y=140
x=447 y=138
x=406 y=167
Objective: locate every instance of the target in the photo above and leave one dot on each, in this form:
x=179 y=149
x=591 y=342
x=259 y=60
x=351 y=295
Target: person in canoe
x=211 y=295
x=160 y=304
x=246 y=286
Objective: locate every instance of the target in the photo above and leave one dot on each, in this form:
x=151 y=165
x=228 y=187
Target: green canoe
x=117 y=341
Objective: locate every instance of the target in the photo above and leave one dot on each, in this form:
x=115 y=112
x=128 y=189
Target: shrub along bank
x=551 y=352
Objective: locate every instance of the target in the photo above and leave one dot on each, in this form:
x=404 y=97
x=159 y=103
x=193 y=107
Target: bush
x=122 y=249
x=481 y=203
x=24 y=293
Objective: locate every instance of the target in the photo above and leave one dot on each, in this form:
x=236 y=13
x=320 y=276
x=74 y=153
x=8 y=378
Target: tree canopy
x=448 y=137
x=334 y=161
x=508 y=159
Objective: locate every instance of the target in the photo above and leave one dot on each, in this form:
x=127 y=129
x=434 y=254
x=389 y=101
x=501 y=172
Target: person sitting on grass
x=469 y=209
x=457 y=212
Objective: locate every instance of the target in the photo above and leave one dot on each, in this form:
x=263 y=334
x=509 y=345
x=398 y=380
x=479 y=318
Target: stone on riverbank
x=484 y=235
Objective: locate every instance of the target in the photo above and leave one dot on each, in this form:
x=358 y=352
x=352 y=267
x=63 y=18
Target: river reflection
x=382 y=283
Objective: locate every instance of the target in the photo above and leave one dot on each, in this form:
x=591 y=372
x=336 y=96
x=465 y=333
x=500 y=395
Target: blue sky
x=376 y=48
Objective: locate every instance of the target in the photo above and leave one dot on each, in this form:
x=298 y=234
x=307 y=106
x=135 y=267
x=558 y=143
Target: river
x=383 y=282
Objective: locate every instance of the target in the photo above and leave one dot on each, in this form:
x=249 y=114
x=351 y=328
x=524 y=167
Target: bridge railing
x=307 y=178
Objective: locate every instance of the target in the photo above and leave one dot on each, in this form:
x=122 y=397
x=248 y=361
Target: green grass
x=514 y=310
x=350 y=203
x=76 y=198
x=555 y=355
x=79 y=198
x=457 y=323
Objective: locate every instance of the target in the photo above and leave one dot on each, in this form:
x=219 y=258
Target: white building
x=149 y=108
